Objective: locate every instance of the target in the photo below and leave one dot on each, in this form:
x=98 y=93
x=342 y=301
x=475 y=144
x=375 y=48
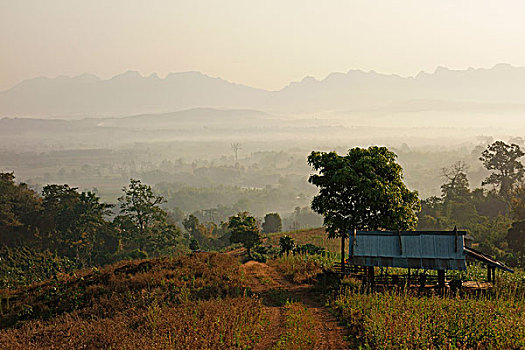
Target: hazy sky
x=259 y=43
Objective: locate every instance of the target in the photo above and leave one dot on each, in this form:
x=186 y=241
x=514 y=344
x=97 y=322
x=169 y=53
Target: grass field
x=400 y=319
x=192 y=302
x=299 y=333
x=403 y=321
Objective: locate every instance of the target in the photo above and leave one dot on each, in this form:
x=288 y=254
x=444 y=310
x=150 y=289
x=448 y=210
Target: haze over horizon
x=499 y=89
x=88 y=75
x=263 y=45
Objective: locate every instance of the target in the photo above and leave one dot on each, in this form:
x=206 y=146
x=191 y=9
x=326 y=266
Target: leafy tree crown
x=503 y=159
x=362 y=190
x=244 y=230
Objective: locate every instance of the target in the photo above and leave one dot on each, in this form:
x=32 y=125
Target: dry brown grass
x=232 y=323
x=298 y=269
x=115 y=287
x=191 y=302
x=300 y=331
x=316 y=236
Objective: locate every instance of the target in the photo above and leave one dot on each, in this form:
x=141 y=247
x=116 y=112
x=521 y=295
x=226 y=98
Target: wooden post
x=441 y=279
x=370 y=276
x=489 y=274
x=354 y=242
x=456 y=239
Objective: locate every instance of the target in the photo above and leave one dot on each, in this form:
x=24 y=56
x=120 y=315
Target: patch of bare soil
x=272 y=287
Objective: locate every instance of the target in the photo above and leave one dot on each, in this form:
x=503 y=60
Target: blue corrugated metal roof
x=437 y=250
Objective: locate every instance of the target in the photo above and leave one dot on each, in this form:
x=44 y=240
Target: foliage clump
x=362 y=190
x=62 y=229
x=493 y=217
x=272 y=223
x=244 y=230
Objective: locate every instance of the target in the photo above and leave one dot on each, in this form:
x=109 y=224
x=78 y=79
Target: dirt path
x=272 y=287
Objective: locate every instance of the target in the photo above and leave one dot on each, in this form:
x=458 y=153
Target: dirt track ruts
x=265 y=280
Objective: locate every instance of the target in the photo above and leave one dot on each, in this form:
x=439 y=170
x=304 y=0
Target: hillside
x=200 y=301
x=195 y=301
x=213 y=301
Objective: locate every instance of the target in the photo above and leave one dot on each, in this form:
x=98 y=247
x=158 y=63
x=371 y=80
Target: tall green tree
x=20 y=212
x=362 y=190
x=75 y=221
x=244 y=230
x=516 y=240
x=198 y=231
x=142 y=222
x=457 y=184
x=272 y=223
x=518 y=204
x=191 y=224
x=503 y=160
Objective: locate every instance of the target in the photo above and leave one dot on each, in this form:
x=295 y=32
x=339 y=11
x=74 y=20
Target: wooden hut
x=414 y=250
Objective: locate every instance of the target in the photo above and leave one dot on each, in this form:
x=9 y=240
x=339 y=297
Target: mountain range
x=130 y=93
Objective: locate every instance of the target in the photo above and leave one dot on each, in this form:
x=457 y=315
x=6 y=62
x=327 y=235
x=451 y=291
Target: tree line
x=493 y=215
x=63 y=228
x=66 y=227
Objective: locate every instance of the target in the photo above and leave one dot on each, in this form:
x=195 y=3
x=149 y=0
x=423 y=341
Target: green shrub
x=23 y=266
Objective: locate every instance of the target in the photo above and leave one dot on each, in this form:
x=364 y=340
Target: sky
x=264 y=44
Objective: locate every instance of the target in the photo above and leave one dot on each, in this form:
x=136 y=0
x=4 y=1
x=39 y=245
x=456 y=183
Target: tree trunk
x=343 y=253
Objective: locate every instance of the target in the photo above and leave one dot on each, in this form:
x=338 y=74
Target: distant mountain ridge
x=131 y=93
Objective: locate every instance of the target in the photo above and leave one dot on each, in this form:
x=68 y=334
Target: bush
x=310 y=249
x=259 y=257
x=135 y=254
x=23 y=266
